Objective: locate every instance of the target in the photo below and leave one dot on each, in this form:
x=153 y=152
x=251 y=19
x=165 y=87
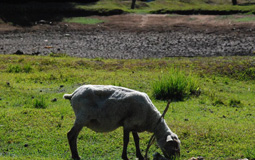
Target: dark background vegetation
x=25 y=1
x=29 y=12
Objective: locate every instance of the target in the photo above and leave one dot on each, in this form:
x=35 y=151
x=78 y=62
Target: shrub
x=175 y=86
x=58 y=55
x=40 y=103
x=14 y=69
x=17 y=68
x=218 y=102
x=235 y=103
x=247 y=74
x=27 y=68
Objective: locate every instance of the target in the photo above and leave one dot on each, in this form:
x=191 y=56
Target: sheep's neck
x=162 y=129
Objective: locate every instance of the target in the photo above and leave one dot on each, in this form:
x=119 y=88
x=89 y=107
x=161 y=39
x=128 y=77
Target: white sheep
x=104 y=108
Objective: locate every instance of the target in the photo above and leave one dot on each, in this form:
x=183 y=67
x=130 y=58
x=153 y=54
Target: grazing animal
x=104 y=108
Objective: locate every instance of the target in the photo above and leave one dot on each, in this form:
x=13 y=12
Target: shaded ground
x=134 y=36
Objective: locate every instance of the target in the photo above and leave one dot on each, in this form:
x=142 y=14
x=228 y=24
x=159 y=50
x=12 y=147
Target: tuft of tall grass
x=40 y=103
x=58 y=54
x=235 y=103
x=27 y=68
x=176 y=86
x=18 y=69
x=14 y=69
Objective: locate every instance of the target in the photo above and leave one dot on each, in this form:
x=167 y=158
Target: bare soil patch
x=134 y=36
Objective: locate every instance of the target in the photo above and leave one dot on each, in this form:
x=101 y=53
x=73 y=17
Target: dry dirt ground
x=134 y=36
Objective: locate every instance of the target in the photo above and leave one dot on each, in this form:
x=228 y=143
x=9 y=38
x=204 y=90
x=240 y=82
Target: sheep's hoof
x=124 y=158
x=140 y=157
x=76 y=158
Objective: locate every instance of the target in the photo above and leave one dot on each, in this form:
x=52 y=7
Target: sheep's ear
x=169 y=138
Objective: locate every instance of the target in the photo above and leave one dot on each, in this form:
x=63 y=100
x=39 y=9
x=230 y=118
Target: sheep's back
x=105 y=108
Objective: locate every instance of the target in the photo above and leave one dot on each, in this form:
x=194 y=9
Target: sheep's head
x=170 y=146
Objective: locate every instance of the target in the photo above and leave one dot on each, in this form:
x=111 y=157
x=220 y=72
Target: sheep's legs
x=126 y=140
x=137 y=146
x=72 y=139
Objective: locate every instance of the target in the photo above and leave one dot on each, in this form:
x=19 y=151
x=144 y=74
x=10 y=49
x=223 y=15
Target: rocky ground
x=134 y=36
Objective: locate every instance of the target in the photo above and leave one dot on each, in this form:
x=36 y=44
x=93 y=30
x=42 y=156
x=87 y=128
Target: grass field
x=83 y=20
x=34 y=118
x=175 y=6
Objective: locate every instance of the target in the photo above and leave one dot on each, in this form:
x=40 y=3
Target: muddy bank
x=117 y=40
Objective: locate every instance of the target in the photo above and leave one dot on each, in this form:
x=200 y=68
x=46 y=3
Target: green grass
x=83 y=20
x=173 y=6
x=40 y=103
x=237 y=18
x=218 y=124
x=175 y=85
x=54 y=11
x=245 y=19
x=17 y=68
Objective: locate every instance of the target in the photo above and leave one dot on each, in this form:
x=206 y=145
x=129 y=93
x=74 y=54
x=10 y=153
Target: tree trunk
x=234 y=2
x=133 y=4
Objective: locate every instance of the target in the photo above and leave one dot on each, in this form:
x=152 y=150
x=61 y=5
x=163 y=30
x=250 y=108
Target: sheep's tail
x=68 y=96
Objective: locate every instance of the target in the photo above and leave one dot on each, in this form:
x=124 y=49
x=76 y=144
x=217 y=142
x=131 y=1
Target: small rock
x=67 y=35
x=54 y=100
x=198 y=158
x=42 y=22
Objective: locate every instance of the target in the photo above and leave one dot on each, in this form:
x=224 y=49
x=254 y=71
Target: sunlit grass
x=169 y=6
x=175 y=85
x=83 y=20
x=245 y=19
x=218 y=124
